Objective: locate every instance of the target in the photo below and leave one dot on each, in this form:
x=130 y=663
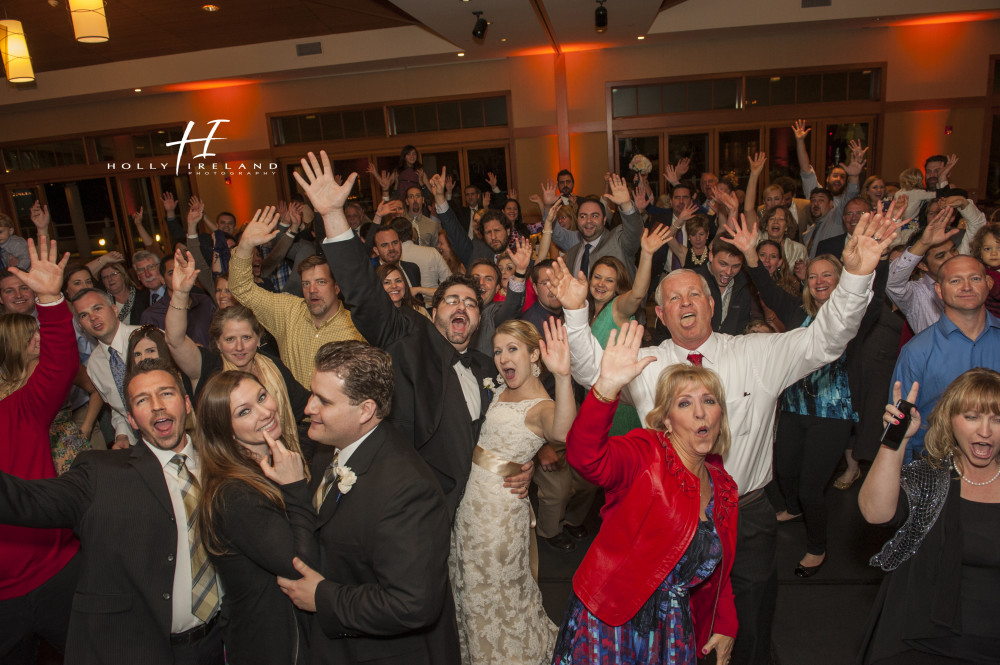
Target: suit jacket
x=466 y=249
x=834 y=245
x=99 y=371
x=384 y=548
x=622 y=242
x=428 y=406
x=139 y=305
x=411 y=271
x=118 y=503
x=740 y=303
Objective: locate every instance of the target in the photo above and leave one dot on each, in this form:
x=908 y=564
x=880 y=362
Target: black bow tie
x=465 y=359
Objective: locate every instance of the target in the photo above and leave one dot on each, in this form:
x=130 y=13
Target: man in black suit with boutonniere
x=441 y=394
x=381 y=595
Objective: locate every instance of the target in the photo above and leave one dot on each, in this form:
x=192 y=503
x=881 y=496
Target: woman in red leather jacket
x=654 y=586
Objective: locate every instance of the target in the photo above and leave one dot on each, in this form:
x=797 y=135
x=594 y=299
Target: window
x=446 y=115
x=328 y=126
x=44 y=155
x=680 y=97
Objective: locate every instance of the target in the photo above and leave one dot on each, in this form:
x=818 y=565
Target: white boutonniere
x=488 y=384
x=345 y=479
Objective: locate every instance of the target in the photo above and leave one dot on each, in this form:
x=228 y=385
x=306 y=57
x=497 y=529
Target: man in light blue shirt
x=966 y=336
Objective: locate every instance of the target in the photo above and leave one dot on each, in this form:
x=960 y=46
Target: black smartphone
x=893 y=434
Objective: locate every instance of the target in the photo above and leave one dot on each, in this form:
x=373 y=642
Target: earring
x=536 y=371
x=500 y=380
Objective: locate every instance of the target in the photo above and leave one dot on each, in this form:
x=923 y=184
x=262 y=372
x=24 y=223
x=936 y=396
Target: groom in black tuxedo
x=440 y=400
x=381 y=595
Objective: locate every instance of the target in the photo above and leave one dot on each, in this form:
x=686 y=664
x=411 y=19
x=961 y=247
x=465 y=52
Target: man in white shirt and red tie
x=754 y=369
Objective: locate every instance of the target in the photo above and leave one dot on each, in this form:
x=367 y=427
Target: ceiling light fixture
x=503 y=39
x=601 y=17
x=641 y=37
x=479 y=30
x=137 y=90
x=460 y=54
x=90 y=24
x=210 y=8
x=14 y=51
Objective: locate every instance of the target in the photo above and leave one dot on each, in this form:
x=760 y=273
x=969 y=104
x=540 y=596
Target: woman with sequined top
x=939 y=603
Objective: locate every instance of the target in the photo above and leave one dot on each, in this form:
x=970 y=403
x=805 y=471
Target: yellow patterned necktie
x=329 y=478
x=204 y=585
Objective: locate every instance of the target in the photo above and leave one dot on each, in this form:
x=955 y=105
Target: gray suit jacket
x=621 y=242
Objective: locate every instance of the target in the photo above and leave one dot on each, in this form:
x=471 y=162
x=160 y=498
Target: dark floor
x=819 y=620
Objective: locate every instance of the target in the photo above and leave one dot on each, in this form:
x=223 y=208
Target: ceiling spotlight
x=641 y=37
x=601 y=17
x=479 y=30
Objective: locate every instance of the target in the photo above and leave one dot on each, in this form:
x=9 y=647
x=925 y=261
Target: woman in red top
x=654 y=586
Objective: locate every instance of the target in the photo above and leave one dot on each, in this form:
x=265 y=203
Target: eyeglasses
x=113 y=273
x=853 y=214
x=453 y=300
x=147 y=269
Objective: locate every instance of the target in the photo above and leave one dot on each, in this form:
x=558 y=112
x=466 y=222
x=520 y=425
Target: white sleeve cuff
x=346 y=235
x=441 y=208
x=50 y=304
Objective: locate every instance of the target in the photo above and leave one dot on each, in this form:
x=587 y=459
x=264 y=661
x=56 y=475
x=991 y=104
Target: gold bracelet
x=600 y=397
x=180 y=309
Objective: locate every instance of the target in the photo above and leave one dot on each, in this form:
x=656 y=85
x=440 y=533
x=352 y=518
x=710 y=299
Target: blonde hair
x=808 y=302
x=669 y=384
x=911 y=179
x=522 y=331
x=16 y=331
x=977 y=390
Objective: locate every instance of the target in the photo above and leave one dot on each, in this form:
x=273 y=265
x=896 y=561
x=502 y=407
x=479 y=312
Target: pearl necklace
x=698 y=260
x=972 y=482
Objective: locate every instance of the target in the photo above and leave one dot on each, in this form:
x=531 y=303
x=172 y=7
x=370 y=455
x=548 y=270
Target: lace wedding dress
x=498 y=603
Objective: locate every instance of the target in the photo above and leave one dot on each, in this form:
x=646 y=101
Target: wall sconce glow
x=90 y=25
x=101 y=242
x=136 y=89
x=14 y=52
x=641 y=37
x=460 y=54
x=157 y=237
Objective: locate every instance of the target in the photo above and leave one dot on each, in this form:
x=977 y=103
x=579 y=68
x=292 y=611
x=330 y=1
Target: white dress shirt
x=181 y=618
x=754 y=369
x=99 y=371
x=470 y=389
x=347 y=451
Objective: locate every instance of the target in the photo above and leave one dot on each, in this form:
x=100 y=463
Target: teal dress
x=626 y=417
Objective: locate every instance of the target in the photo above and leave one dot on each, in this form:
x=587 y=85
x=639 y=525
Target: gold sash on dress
x=495 y=464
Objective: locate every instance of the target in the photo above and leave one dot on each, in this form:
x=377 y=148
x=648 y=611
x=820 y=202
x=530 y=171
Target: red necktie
x=695 y=358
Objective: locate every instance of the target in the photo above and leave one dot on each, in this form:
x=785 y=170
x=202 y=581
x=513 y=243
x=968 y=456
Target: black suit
x=428 y=406
x=384 y=553
x=740 y=303
x=118 y=503
x=834 y=245
x=411 y=269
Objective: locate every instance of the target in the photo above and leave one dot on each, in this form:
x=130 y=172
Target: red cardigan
x=650 y=517
x=31 y=556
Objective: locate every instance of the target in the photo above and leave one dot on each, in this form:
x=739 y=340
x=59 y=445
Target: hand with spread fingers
x=871 y=238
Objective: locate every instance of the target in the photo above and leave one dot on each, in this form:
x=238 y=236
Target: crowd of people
x=310 y=437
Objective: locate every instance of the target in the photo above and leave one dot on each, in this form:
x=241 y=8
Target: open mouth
x=269 y=426
x=508 y=373
x=164 y=426
x=459 y=323
x=702 y=431
x=980 y=450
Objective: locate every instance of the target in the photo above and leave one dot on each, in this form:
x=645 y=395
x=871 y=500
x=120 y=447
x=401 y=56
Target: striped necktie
x=329 y=479
x=204 y=585
x=118 y=373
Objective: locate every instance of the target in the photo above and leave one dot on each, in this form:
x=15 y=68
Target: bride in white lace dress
x=498 y=604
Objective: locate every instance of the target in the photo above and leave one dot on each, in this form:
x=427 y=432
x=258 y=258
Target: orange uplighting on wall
x=937 y=19
x=194 y=86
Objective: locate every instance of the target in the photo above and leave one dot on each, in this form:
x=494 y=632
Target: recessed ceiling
x=147 y=28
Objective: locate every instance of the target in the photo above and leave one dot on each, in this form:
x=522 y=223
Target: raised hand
x=283 y=212
x=949 y=165
x=670 y=174
x=196 y=210
x=285 y=466
x=522 y=256
x=550 y=194
x=261 y=229
x=621 y=363
x=339 y=179
x=619 y=190
x=436 y=185
x=381 y=177
x=655 y=239
x=727 y=199
x=744 y=237
x=893 y=415
x=422 y=177
x=937 y=230
x=571 y=291
x=46 y=275
x=689 y=211
x=169 y=203
x=642 y=196
x=295 y=215
x=487 y=197
x=757 y=162
x=512 y=193
x=449 y=186
x=41 y=218
x=491 y=180
x=185 y=274
x=318 y=184
x=858 y=160
x=872 y=237
x=137 y=217
x=555 y=347
x=800 y=129
x=683 y=166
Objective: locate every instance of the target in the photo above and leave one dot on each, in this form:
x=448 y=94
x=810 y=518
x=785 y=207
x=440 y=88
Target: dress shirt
x=832 y=224
x=727 y=295
x=754 y=370
x=470 y=389
x=287 y=318
x=917 y=299
x=103 y=378
x=181 y=618
x=935 y=358
x=159 y=293
x=433 y=269
x=579 y=257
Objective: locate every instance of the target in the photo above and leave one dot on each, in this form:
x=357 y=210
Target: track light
x=479 y=30
x=601 y=17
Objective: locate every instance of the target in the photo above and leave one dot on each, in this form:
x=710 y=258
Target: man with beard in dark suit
x=440 y=400
x=381 y=594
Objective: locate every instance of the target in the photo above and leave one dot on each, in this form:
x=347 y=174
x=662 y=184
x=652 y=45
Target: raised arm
x=879 y=495
x=457 y=236
x=555 y=354
x=630 y=213
x=205 y=272
x=585 y=350
x=628 y=303
x=271 y=309
x=801 y=132
x=183 y=350
x=147 y=239
x=750 y=200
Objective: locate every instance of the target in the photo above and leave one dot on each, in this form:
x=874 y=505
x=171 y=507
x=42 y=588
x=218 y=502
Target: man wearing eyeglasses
x=852 y=213
x=440 y=400
x=147 y=269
